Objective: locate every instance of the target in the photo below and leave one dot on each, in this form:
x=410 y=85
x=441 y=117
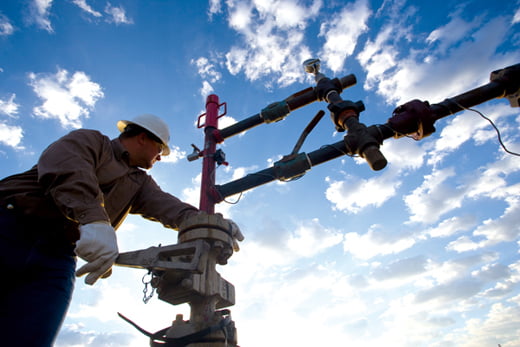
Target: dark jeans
x=37 y=267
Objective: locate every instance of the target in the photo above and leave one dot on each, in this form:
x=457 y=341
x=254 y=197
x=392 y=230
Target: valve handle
x=375 y=159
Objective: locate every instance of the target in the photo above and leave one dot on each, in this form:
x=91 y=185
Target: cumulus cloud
x=176 y=154
x=451 y=226
x=310 y=238
x=451 y=33
x=354 y=194
x=499 y=325
x=434 y=197
x=376 y=241
x=206 y=89
x=401 y=268
x=86 y=7
x=214 y=8
x=341 y=35
x=462 y=278
x=6 y=28
x=114 y=14
x=466 y=126
x=505 y=228
x=117 y=15
x=10 y=135
x=455 y=290
x=39 y=12
x=405 y=154
x=516 y=17
x=400 y=76
x=491 y=182
x=76 y=335
x=206 y=69
x=69 y=99
x=272 y=42
x=9 y=107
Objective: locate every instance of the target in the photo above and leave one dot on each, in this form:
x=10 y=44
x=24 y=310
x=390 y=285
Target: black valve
x=220 y=157
x=337 y=109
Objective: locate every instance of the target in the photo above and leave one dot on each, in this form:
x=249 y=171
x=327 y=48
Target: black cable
x=234 y=202
x=492 y=124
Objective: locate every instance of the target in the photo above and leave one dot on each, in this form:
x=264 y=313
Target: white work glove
x=97 y=245
x=237 y=235
x=235 y=232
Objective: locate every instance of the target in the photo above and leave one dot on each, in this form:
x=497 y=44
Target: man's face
x=149 y=152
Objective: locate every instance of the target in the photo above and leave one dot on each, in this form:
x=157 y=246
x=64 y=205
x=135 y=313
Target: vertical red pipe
x=207 y=203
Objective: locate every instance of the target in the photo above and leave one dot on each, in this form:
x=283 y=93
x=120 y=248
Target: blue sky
x=422 y=253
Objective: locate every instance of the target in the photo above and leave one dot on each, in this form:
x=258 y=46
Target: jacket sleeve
x=67 y=172
x=155 y=204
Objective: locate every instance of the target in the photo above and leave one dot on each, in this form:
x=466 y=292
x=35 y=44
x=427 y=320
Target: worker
x=70 y=204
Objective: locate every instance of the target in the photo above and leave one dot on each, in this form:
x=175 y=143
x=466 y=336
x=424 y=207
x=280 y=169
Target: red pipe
x=211 y=138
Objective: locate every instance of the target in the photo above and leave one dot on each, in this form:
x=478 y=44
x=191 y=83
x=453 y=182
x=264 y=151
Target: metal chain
x=146 y=296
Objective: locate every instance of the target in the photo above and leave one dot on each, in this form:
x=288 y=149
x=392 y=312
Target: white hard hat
x=153 y=124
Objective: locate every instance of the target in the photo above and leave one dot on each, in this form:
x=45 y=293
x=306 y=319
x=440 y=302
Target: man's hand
x=236 y=233
x=97 y=245
x=234 y=230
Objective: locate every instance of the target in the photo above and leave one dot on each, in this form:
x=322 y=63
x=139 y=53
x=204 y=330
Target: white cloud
x=376 y=241
x=443 y=273
x=86 y=7
x=240 y=17
x=117 y=14
x=401 y=269
x=491 y=180
x=206 y=69
x=499 y=326
x=11 y=135
x=9 y=107
x=463 y=244
x=6 y=28
x=225 y=121
x=466 y=126
x=505 y=228
x=39 y=14
x=67 y=99
x=354 y=194
x=404 y=154
x=341 y=35
x=433 y=73
x=191 y=195
x=206 y=89
x=456 y=30
x=273 y=44
x=310 y=238
x=214 y=8
x=176 y=154
x=516 y=17
x=434 y=197
x=451 y=226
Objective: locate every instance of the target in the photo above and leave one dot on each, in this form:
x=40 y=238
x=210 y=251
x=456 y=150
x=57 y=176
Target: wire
x=492 y=124
x=399 y=134
x=234 y=202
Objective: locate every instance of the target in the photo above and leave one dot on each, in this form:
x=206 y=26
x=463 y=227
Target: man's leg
x=38 y=280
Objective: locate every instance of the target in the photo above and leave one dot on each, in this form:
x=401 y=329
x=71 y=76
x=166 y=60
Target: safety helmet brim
x=153 y=124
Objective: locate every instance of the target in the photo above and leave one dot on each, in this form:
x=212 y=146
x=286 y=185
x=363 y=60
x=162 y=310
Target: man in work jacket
x=69 y=204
